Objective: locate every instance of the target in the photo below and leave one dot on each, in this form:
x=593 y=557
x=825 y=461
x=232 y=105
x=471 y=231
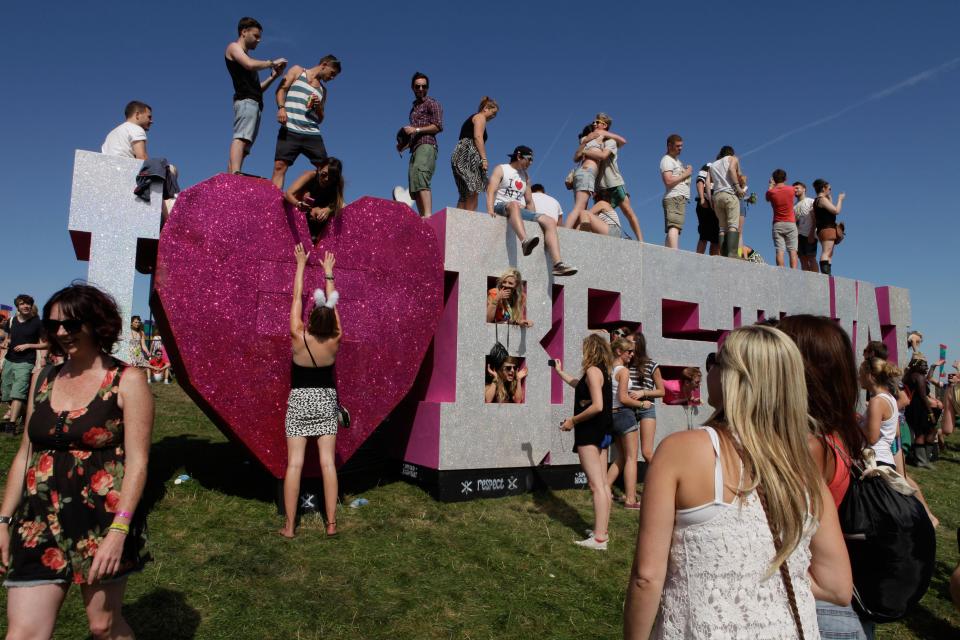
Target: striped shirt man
x=304 y=105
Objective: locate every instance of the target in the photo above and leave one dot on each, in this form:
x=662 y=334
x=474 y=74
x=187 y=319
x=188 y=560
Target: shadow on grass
x=162 y=615
x=226 y=468
x=219 y=466
x=929 y=626
x=559 y=510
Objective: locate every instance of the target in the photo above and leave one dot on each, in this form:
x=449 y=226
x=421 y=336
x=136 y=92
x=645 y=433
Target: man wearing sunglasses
x=426 y=121
x=21 y=360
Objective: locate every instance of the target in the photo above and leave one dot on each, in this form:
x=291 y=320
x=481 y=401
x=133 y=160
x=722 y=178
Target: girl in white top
x=707 y=563
x=625 y=427
x=882 y=419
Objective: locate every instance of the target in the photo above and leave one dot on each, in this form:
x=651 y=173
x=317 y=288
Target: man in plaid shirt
x=426 y=120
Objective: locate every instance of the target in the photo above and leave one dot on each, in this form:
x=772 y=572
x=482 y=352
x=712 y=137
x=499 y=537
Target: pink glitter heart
x=224 y=280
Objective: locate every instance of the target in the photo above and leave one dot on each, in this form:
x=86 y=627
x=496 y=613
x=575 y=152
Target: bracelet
x=329 y=277
x=121 y=527
x=6 y=520
x=124 y=514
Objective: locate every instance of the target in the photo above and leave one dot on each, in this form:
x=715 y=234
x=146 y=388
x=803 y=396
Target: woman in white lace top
x=716 y=499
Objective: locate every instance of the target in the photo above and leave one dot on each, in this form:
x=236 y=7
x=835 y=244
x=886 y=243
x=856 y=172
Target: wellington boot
x=731 y=244
x=933 y=452
x=923 y=458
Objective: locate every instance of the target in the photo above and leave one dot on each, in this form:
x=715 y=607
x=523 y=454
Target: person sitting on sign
x=318 y=194
x=506 y=303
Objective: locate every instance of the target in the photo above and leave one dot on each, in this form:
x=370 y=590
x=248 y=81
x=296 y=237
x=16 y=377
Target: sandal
x=331 y=528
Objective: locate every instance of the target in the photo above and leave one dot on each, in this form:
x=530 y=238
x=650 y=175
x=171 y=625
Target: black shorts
x=805 y=248
x=707 y=224
x=291 y=144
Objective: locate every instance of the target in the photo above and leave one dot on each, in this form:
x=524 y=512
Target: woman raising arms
x=312 y=406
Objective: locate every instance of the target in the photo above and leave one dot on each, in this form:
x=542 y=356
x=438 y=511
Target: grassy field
x=402 y=567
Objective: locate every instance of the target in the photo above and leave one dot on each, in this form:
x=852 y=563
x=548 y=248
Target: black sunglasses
x=70 y=325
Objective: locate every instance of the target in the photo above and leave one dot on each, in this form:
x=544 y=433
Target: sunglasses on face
x=509 y=367
x=420 y=87
x=71 y=326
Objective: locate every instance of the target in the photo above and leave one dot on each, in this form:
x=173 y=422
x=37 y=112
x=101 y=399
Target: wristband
x=6 y=520
x=329 y=277
x=124 y=514
x=121 y=527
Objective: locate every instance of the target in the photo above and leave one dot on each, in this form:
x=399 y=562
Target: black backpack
x=891 y=543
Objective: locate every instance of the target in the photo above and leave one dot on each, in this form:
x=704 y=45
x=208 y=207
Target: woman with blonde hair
x=469 y=159
x=728 y=526
x=881 y=422
x=506 y=382
x=507 y=302
x=591 y=421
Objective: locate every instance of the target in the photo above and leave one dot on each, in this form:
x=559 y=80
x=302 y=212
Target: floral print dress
x=72 y=489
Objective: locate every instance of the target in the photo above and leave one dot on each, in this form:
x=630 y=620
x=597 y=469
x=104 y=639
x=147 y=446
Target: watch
x=6 y=519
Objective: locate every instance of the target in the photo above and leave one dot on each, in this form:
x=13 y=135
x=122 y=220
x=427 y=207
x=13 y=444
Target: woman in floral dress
x=69 y=512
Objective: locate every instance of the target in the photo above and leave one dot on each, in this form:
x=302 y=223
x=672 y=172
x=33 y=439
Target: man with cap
x=509 y=187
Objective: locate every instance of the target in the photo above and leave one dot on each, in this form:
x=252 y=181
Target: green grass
x=403 y=567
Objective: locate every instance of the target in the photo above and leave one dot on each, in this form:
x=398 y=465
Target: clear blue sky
x=713 y=74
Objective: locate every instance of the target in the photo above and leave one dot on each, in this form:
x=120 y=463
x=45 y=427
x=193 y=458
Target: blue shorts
x=838 y=622
x=500 y=208
x=647 y=414
x=624 y=421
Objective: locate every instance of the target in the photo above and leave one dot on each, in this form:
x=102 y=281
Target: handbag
x=343 y=416
x=568 y=181
x=841 y=232
x=499 y=353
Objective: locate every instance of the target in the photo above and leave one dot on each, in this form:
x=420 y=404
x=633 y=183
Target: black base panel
x=469 y=484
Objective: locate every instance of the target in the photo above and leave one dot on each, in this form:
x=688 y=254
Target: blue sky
x=717 y=77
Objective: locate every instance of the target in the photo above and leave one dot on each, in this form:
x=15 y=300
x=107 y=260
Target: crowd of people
x=739 y=521
x=722 y=197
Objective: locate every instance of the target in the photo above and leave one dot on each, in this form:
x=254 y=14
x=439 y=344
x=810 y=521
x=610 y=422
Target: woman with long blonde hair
x=728 y=523
x=507 y=301
x=591 y=421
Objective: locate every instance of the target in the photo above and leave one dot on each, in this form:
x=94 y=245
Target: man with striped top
x=302 y=98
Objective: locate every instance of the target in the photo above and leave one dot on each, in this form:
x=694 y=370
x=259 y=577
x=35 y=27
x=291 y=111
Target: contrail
x=923 y=76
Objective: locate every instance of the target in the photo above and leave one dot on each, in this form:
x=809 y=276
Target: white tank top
x=720 y=175
x=513 y=185
x=615 y=386
x=714 y=586
x=888 y=432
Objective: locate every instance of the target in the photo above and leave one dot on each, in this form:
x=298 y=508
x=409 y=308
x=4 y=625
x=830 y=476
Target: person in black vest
x=592 y=423
x=247 y=89
x=20 y=361
x=313 y=406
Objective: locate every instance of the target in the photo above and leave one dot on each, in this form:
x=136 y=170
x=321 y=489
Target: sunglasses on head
x=70 y=325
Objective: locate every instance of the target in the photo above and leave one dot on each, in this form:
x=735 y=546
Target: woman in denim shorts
x=648 y=386
x=625 y=427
